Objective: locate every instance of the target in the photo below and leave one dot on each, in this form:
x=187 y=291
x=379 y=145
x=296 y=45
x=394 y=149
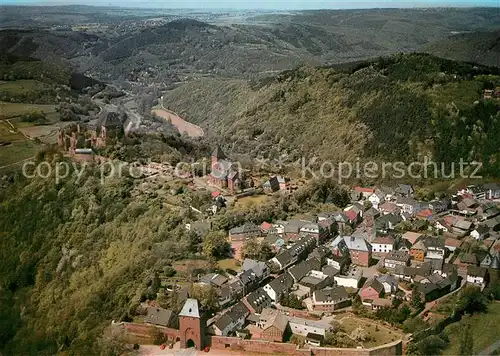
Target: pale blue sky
x=261 y=4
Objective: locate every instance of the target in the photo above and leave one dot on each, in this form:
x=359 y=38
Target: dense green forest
x=400 y=108
x=79 y=253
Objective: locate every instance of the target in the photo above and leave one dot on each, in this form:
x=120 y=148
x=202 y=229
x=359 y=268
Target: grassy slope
x=485 y=329
x=8 y=110
x=17 y=152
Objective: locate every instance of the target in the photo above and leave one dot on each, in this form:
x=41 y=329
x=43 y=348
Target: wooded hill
x=480 y=47
x=395 y=108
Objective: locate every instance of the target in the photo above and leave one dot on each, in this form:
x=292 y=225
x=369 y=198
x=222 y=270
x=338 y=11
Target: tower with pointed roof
x=191 y=325
x=217 y=155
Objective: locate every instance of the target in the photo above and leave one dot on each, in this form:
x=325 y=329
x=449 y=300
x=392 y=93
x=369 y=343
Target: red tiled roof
x=388 y=206
x=383 y=240
x=215 y=194
x=364 y=190
x=425 y=213
x=452 y=242
x=351 y=215
x=265 y=226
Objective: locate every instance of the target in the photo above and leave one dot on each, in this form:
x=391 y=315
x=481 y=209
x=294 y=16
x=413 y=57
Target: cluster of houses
x=325 y=261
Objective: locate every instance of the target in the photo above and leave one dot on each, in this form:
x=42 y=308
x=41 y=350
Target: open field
x=253 y=200
x=485 y=329
x=45 y=133
x=182 y=125
x=228 y=263
x=17 y=152
x=183 y=265
x=8 y=110
x=377 y=334
x=22 y=86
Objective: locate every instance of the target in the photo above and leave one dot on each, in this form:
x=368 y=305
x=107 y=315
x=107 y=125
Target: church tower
x=217 y=155
x=191 y=326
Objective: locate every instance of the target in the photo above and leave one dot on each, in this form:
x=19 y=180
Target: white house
x=280 y=227
x=438 y=225
x=435 y=248
x=477 y=275
x=233 y=320
x=336 y=262
x=377 y=198
x=382 y=244
x=350 y=280
x=397 y=258
x=279 y=286
x=389 y=282
x=303 y=327
x=480 y=233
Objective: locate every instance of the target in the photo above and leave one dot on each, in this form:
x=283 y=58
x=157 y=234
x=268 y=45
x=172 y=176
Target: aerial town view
x=249 y=178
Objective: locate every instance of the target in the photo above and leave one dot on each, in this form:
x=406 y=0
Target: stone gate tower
x=191 y=325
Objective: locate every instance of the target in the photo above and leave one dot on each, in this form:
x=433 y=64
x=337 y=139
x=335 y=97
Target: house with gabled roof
x=418 y=250
x=382 y=245
x=372 y=289
x=244 y=232
x=232 y=320
x=377 y=198
x=276 y=328
x=365 y=192
x=478 y=276
x=161 y=317
x=386 y=223
x=461 y=227
x=464 y=261
x=213 y=279
x=395 y=258
x=408 y=205
x=404 y=190
x=434 y=248
x=257 y=301
x=351 y=279
x=389 y=208
x=300 y=270
x=452 y=244
x=329 y=299
x=411 y=236
x=260 y=268
x=279 y=286
x=389 y=282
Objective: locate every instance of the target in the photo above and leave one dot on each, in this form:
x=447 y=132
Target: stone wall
x=145 y=331
x=222 y=342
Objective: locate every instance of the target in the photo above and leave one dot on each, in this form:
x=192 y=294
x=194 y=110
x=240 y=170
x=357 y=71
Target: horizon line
x=415 y=7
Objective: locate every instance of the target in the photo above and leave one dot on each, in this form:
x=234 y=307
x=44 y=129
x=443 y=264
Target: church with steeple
x=223 y=174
